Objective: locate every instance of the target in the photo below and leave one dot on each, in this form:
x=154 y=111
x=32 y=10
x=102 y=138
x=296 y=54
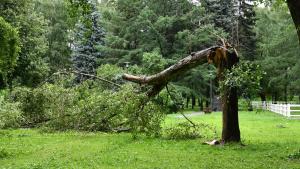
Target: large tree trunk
x=223 y=59
x=294 y=6
x=231 y=130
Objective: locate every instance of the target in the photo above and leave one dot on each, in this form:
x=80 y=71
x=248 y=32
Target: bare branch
x=89 y=75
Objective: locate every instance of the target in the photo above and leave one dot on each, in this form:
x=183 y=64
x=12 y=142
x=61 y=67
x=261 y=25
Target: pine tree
x=88 y=37
x=246 y=37
x=223 y=14
x=237 y=19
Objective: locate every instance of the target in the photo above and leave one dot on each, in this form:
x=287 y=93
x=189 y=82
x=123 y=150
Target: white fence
x=288 y=110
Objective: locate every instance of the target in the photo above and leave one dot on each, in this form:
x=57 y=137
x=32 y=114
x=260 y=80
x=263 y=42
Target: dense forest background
x=61 y=61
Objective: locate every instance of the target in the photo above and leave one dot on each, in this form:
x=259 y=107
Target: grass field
x=269 y=140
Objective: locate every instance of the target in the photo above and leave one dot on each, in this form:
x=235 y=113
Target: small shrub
x=3 y=153
x=10 y=114
x=109 y=110
x=89 y=106
x=294 y=156
x=61 y=107
x=33 y=103
x=153 y=62
x=183 y=131
x=186 y=130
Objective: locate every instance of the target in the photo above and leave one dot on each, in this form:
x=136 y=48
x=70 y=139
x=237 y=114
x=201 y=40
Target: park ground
x=271 y=141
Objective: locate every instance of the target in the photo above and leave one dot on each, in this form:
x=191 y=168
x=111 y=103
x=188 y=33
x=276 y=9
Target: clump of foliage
x=33 y=104
x=245 y=77
x=171 y=98
x=3 y=153
x=10 y=114
x=182 y=131
x=153 y=61
x=186 y=130
x=9 y=49
x=112 y=73
x=294 y=156
x=90 y=106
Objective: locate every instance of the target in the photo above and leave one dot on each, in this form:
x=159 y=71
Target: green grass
x=270 y=139
x=297 y=112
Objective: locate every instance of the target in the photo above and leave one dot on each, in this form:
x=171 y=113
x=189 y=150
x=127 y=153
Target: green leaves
x=153 y=62
x=245 y=76
x=9 y=48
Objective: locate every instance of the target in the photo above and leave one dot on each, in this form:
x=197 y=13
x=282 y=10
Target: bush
x=61 y=107
x=3 y=153
x=117 y=110
x=89 y=106
x=33 y=103
x=186 y=130
x=294 y=156
x=44 y=103
x=182 y=131
x=10 y=114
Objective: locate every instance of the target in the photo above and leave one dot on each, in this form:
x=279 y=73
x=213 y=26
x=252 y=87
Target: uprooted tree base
x=223 y=58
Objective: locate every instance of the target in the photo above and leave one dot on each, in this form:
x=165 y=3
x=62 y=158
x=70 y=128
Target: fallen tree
x=223 y=57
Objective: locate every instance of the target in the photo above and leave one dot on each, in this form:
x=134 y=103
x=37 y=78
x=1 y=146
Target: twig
x=223 y=40
x=194 y=125
x=89 y=75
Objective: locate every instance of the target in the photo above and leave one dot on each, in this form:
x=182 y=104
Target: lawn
x=269 y=139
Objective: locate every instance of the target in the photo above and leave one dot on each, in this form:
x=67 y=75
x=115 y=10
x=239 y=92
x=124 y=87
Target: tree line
x=109 y=37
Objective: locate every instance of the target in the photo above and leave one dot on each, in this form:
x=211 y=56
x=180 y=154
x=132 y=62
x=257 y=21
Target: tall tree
x=9 y=50
x=245 y=33
x=237 y=19
x=294 y=6
x=31 y=66
x=59 y=26
x=87 y=40
x=224 y=15
x=278 y=52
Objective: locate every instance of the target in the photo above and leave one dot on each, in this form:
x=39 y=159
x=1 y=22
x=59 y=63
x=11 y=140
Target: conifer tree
x=237 y=19
x=246 y=37
x=88 y=37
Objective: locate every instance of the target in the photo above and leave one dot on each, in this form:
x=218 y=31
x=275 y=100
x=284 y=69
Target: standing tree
x=245 y=34
x=237 y=19
x=9 y=50
x=280 y=63
x=31 y=66
x=59 y=25
x=88 y=37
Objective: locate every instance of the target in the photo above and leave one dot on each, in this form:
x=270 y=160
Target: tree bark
x=222 y=60
x=294 y=6
x=193 y=102
x=180 y=67
x=187 y=102
x=231 y=130
x=262 y=96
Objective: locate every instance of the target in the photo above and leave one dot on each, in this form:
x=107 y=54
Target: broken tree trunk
x=159 y=80
x=294 y=6
x=222 y=59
